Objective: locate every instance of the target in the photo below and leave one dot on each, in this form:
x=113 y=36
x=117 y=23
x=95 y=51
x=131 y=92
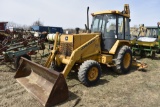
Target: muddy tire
x=17 y=60
x=89 y=72
x=54 y=66
x=153 y=55
x=123 y=60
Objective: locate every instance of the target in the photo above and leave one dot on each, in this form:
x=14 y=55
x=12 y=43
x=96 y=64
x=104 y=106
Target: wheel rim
x=93 y=74
x=126 y=60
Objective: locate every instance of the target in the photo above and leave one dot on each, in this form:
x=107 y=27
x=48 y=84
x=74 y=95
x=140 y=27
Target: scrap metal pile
x=13 y=47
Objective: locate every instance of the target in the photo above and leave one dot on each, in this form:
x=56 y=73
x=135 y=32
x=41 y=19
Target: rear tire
x=123 y=60
x=89 y=72
x=17 y=60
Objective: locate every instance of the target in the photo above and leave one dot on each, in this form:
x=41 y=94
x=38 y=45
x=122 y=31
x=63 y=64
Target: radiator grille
x=66 y=49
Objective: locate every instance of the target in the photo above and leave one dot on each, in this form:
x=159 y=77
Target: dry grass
x=136 y=89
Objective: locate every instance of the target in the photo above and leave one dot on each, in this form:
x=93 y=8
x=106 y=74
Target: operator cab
x=113 y=25
x=152 y=32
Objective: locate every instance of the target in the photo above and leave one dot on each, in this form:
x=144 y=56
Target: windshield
x=106 y=24
x=97 y=23
x=111 y=26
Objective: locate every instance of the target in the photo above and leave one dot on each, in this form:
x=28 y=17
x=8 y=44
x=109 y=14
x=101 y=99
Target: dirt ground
x=136 y=89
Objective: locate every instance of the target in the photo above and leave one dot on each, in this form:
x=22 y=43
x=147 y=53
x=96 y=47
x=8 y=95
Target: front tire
x=89 y=72
x=59 y=68
x=123 y=60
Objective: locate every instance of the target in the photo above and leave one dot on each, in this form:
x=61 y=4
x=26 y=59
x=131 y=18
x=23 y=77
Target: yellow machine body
x=75 y=49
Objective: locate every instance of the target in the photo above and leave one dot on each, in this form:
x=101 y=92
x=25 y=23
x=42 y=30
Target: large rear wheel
x=89 y=72
x=123 y=60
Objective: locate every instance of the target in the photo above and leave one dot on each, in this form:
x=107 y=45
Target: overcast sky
x=72 y=13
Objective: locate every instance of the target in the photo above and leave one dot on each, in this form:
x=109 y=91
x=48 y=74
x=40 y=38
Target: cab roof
x=110 y=12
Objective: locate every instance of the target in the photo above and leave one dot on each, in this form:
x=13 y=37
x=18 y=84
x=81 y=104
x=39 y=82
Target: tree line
x=25 y=27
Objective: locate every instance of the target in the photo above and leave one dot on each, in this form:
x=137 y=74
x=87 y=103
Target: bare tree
x=37 y=23
x=25 y=27
x=13 y=24
x=19 y=26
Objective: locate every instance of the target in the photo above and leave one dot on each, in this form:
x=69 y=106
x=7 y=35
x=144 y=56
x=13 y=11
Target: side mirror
x=129 y=20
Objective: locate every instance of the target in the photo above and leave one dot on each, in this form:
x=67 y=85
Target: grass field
x=136 y=89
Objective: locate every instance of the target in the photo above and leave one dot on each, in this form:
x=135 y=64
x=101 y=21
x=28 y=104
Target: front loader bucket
x=46 y=85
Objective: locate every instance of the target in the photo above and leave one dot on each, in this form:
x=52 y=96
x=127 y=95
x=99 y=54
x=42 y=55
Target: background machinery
x=107 y=42
x=147 y=41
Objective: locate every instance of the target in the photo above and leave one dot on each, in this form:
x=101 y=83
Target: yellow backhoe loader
x=107 y=42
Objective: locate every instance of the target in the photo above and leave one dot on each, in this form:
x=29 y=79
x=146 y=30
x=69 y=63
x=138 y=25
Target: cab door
x=109 y=32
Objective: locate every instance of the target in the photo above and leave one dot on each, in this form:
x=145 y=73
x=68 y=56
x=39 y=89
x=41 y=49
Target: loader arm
x=53 y=53
x=77 y=53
